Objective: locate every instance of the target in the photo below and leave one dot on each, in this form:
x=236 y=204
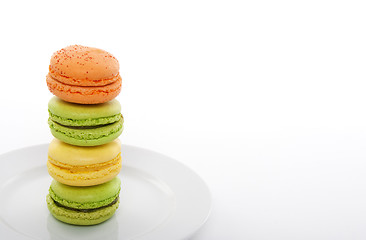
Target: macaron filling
x=56 y=86
x=84 y=122
x=82 y=205
x=82 y=82
x=85 y=127
x=85 y=168
x=86 y=210
x=95 y=132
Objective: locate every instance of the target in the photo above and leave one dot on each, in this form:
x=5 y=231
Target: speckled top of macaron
x=84 y=66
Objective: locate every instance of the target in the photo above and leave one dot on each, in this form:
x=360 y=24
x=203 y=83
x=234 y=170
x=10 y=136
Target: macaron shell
x=72 y=155
x=84 y=95
x=84 y=166
x=91 y=65
x=74 y=111
x=88 y=176
x=81 y=218
x=86 y=137
x=86 y=195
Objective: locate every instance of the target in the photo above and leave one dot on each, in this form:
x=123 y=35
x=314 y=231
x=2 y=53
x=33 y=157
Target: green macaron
x=85 y=125
x=84 y=205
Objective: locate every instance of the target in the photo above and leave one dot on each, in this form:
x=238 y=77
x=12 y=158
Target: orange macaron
x=84 y=75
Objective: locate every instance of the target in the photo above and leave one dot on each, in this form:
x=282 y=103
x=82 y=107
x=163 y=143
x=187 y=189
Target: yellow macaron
x=84 y=166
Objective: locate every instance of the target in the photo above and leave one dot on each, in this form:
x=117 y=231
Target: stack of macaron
x=84 y=158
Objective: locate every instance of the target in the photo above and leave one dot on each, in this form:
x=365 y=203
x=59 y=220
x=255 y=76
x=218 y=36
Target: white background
x=263 y=99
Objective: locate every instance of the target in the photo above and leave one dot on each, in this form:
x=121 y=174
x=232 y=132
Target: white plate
x=160 y=199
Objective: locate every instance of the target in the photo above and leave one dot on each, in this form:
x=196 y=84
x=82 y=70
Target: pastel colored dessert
x=83 y=205
x=84 y=75
x=85 y=125
x=84 y=166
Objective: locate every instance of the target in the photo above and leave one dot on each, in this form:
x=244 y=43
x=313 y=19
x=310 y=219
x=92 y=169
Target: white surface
x=154 y=203
x=263 y=99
